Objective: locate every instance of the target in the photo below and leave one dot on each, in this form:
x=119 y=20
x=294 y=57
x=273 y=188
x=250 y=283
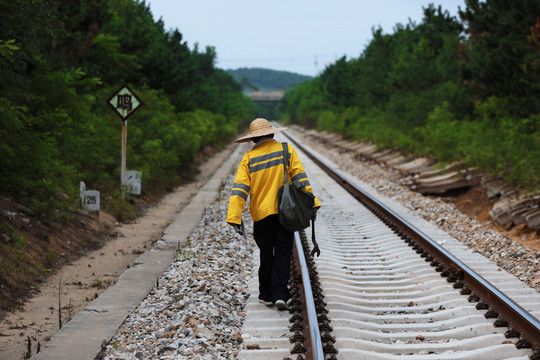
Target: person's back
x=260 y=175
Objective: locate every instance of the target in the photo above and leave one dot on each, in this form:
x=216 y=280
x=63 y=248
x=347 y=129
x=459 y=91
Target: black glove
x=240 y=229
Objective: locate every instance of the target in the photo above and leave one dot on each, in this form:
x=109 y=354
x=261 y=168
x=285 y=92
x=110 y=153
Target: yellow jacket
x=260 y=175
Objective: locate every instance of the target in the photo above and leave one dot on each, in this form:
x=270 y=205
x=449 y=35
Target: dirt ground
x=92 y=268
x=475 y=204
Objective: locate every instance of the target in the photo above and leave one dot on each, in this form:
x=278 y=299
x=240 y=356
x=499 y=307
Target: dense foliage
x=267 y=80
x=455 y=90
x=59 y=63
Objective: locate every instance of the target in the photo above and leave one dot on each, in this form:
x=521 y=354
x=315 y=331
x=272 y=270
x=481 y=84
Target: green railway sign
x=124 y=102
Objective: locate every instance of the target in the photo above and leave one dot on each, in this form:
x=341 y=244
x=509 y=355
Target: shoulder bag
x=295 y=206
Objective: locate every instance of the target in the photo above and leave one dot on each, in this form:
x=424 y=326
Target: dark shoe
x=282 y=305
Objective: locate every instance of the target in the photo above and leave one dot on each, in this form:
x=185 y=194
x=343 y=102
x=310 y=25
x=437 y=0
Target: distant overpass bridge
x=270 y=96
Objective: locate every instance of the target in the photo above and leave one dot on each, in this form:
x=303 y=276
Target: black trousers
x=275 y=244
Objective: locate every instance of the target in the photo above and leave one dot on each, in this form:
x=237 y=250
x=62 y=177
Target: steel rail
x=514 y=314
x=315 y=341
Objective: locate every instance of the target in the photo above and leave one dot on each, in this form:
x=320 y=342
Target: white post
x=124 y=151
x=82 y=189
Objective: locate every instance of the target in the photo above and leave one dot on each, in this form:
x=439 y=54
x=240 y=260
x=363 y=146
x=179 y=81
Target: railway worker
x=260 y=175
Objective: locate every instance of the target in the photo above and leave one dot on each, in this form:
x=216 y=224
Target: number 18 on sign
x=124 y=102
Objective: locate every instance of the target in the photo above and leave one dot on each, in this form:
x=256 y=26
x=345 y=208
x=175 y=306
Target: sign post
x=124 y=102
x=124 y=154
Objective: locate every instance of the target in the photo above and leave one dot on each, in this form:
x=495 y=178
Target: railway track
x=385 y=297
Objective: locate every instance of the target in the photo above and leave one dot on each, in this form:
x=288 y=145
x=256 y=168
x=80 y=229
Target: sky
x=300 y=36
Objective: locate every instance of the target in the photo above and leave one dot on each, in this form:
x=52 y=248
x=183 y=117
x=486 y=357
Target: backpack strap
x=315 y=249
x=285 y=156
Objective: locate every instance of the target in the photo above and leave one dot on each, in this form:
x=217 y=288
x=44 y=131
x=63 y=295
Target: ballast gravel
x=197 y=308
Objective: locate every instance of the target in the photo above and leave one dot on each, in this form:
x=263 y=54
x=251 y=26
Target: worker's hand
x=240 y=228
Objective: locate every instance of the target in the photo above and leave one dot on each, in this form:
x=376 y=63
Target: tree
x=496 y=49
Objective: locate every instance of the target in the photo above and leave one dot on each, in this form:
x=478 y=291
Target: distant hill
x=266 y=79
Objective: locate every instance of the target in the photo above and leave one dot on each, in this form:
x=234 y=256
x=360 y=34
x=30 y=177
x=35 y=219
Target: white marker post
x=124 y=102
x=91 y=200
x=82 y=188
x=133 y=182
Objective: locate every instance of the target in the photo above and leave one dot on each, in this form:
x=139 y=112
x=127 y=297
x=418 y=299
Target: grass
x=12 y=254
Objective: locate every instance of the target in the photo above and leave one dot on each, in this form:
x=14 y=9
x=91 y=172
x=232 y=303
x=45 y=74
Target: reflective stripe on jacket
x=260 y=175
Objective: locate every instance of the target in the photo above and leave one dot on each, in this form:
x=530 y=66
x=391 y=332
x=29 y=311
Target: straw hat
x=259 y=127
